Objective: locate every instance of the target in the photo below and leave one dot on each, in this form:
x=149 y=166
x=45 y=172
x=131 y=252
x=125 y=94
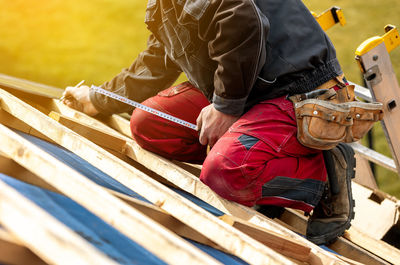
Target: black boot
x=332 y=216
x=270 y=211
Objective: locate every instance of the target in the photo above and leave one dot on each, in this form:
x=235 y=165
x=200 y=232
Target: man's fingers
x=73 y=103
x=67 y=94
x=199 y=121
x=212 y=141
x=202 y=137
x=68 y=102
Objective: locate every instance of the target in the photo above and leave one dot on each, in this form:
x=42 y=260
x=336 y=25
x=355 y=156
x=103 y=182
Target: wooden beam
x=132 y=223
x=30 y=87
x=13 y=252
x=364 y=175
x=245 y=212
x=100 y=138
x=347 y=246
x=12 y=122
x=378 y=247
x=386 y=211
x=118 y=123
x=11 y=168
x=43 y=234
x=287 y=247
x=186 y=183
x=216 y=230
x=192 y=184
x=351 y=250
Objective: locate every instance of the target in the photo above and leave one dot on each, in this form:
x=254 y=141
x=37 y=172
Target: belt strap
x=337 y=81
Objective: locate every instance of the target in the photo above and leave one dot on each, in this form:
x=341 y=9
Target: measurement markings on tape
x=143 y=107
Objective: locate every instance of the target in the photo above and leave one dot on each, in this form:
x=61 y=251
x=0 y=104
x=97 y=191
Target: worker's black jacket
x=238 y=52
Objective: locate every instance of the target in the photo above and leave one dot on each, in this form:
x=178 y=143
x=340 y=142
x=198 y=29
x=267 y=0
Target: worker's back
x=299 y=54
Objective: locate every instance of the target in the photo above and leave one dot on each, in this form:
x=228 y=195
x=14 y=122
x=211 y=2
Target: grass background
x=59 y=43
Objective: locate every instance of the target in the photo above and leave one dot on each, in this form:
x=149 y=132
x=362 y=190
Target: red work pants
x=257 y=161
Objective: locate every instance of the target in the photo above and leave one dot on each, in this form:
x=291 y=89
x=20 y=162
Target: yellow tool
x=390 y=38
x=330 y=17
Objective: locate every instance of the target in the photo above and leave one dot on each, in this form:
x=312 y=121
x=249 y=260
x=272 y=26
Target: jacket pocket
x=175 y=37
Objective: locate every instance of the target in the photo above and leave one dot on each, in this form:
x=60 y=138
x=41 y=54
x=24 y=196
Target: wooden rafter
x=189 y=182
x=29 y=86
x=120 y=125
x=370 y=251
x=287 y=247
x=216 y=230
x=100 y=138
x=44 y=235
x=14 y=252
x=229 y=207
x=129 y=221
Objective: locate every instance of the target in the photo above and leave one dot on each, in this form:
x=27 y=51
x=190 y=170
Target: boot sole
x=331 y=237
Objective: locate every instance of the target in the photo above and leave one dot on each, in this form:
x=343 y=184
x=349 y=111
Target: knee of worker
x=165 y=138
x=231 y=170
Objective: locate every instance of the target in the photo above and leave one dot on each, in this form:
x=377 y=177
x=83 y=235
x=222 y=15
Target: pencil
x=77 y=85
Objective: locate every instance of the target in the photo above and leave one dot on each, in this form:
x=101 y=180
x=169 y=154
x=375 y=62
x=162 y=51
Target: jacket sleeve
x=236 y=33
x=152 y=71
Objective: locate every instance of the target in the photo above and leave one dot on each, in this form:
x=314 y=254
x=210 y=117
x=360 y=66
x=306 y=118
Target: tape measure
x=143 y=107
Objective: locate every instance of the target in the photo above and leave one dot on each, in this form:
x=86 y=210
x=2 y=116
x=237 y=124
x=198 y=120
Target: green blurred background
x=59 y=43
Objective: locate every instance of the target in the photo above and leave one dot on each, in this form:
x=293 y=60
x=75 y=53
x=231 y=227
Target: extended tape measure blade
x=143 y=107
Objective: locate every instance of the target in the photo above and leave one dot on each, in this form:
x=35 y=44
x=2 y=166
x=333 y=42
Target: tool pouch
x=323 y=122
x=364 y=115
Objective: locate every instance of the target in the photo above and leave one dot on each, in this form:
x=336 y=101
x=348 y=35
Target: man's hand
x=78 y=98
x=212 y=124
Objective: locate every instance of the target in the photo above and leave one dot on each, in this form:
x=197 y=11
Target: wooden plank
x=252 y=216
x=43 y=234
x=378 y=247
x=288 y=247
x=118 y=123
x=30 y=87
x=231 y=239
x=347 y=246
x=192 y=184
x=100 y=138
x=59 y=107
x=13 y=252
x=364 y=175
x=12 y=122
x=10 y=168
x=177 y=175
x=129 y=221
x=350 y=250
x=385 y=212
x=277 y=242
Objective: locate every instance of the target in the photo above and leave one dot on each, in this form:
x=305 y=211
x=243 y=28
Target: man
x=244 y=57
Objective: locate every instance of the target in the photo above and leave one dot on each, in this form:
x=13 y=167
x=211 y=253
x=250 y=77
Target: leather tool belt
x=326 y=117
